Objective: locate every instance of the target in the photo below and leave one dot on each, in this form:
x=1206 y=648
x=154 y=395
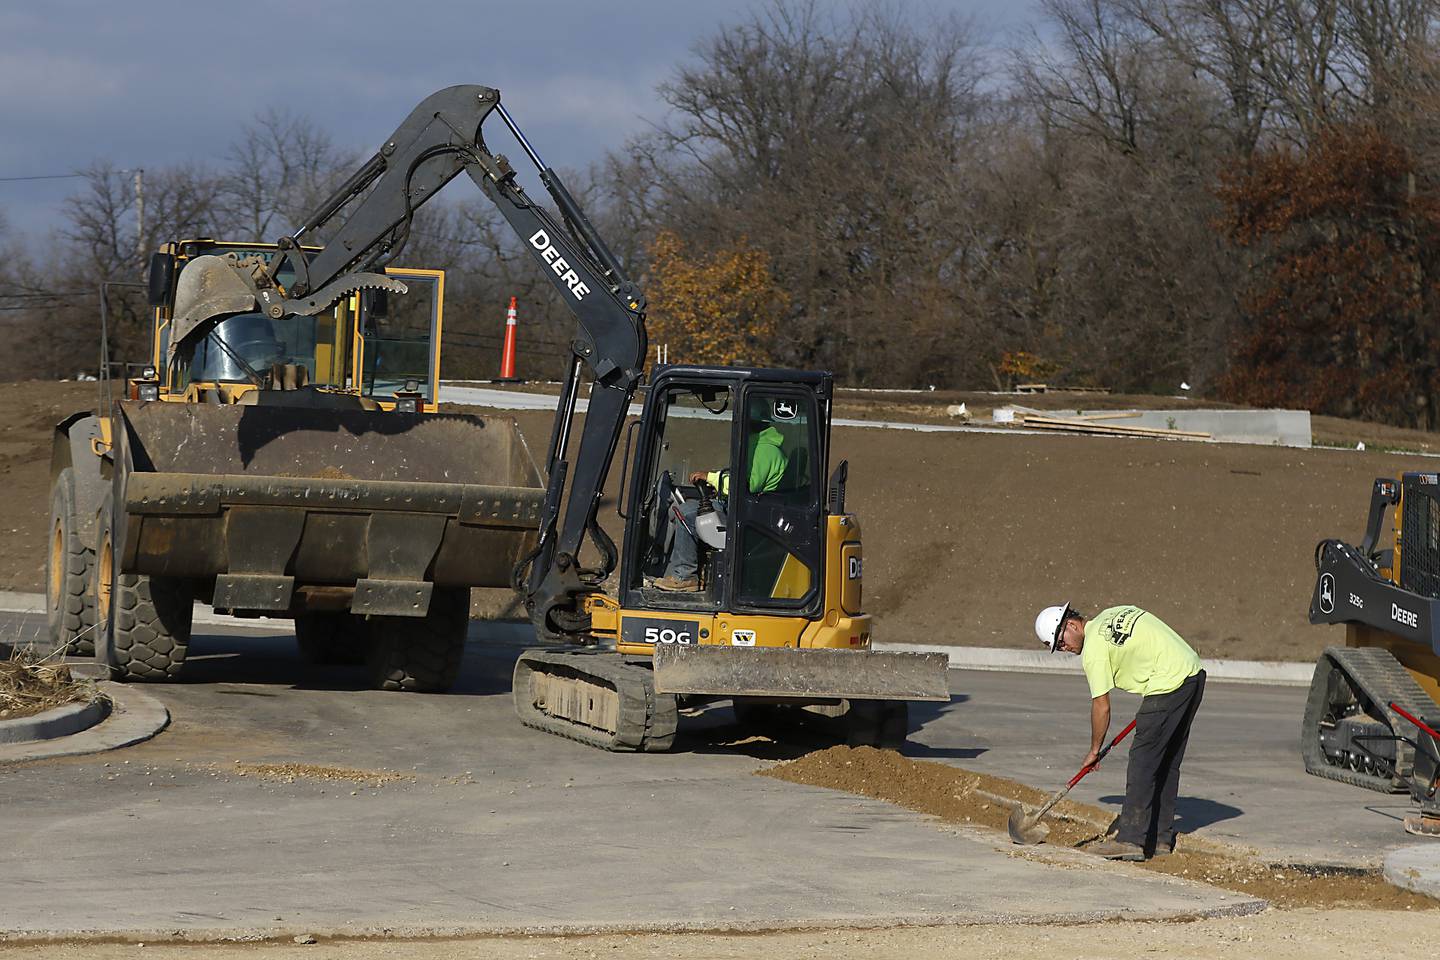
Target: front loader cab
x=760 y=437
x=364 y=350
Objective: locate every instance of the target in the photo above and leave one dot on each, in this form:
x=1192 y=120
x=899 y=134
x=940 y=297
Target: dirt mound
x=967 y=535
x=962 y=796
x=952 y=794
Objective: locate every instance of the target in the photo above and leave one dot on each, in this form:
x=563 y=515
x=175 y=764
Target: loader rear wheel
x=331 y=639
x=877 y=723
x=420 y=654
x=69 y=599
x=142 y=622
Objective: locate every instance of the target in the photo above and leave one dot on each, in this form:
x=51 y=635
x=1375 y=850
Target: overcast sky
x=149 y=83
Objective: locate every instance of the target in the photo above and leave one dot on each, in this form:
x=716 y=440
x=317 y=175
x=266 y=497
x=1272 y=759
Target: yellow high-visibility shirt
x=1135 y=650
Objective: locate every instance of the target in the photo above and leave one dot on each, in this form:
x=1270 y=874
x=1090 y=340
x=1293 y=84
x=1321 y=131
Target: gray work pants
x=684 y=551
x=1162 y=729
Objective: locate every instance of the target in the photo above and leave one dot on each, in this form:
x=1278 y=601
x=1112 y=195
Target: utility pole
x=140 y=215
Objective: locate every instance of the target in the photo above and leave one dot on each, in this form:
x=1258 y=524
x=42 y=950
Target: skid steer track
x=1377 y=677
x=596 y=697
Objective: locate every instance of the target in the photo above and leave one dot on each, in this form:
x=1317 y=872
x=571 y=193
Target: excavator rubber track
x=1376 y=679
x=597 y=697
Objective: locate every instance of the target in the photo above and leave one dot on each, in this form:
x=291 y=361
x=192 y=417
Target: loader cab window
x=398 y=332
x=250 y=344
x=776 y=511
x=693 y=433
x=245 y=347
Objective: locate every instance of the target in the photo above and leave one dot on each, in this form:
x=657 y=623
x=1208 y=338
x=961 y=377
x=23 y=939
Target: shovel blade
x=1025 y=826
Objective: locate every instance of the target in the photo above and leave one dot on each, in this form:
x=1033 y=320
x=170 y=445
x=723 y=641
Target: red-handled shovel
x=1025 y=827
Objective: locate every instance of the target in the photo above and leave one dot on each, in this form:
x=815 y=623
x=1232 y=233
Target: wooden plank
x=1122 y=415
x=1055 y=422
x=1082 y=426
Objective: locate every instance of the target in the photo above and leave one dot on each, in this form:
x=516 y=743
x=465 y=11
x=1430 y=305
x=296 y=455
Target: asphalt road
x=497 y=827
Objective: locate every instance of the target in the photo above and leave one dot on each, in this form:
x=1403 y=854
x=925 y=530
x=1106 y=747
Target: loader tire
x=69 y=597
x=420 y=654
x=142 y=622
x=331 y=639
x=877 y=723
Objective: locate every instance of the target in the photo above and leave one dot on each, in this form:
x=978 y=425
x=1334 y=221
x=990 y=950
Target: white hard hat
x=1048 y=624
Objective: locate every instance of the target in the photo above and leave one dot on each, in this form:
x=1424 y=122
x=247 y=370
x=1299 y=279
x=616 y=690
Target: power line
x=46 y=176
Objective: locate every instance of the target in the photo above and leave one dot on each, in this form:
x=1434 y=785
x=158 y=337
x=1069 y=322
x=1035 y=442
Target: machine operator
x=766 y=456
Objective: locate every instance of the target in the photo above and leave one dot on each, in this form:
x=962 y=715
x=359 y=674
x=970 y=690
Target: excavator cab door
x=776 y=504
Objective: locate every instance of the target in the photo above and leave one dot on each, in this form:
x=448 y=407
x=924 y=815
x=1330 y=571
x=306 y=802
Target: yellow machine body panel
x=639 y=631
x=1420 y=663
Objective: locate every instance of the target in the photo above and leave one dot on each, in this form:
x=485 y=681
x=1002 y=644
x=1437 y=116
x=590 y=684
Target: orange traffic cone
x=507 y=353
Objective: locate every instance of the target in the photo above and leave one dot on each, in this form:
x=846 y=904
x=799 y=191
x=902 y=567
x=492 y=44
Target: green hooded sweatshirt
x=767 y=464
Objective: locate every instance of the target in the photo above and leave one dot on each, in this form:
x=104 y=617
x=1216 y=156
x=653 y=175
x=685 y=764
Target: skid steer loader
x=1373 y=712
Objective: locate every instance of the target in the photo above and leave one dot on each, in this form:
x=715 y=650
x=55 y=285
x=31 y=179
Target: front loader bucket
x=278 y=502
x=786 y=672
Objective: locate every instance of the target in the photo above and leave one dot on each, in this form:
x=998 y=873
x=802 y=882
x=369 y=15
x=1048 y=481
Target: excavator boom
x=374 y=208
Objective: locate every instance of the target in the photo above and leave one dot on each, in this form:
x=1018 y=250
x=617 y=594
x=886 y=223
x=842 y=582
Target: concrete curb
x=61 y=721
x=961 y=658
x=134 y=717
x=1242 y=907
x=1416 y=867
x=1030 y=661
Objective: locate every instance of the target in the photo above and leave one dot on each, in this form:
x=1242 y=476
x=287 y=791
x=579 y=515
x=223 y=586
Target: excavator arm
x=441 y=139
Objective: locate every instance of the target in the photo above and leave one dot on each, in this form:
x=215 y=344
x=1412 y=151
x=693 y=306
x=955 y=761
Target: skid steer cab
x=740 y=577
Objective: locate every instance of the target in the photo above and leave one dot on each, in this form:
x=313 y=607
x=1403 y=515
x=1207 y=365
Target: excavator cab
x=775 y=623
x=754 y=522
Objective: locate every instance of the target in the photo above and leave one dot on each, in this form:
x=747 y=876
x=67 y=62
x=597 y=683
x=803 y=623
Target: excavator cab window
x=692 y=432
x=776 y=507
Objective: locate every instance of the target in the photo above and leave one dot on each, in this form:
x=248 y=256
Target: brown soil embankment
x=968 y=535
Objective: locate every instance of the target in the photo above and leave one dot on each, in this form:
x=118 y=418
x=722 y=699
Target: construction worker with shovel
x=1133 y=649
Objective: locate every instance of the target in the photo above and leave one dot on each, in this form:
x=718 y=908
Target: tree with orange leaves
x=1341 y=314
x=721 y=309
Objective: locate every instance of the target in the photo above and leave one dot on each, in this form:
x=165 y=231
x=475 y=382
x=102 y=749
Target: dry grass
x=32 y=683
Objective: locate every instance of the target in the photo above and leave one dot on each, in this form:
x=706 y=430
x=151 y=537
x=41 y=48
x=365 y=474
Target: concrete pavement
x=491 y=826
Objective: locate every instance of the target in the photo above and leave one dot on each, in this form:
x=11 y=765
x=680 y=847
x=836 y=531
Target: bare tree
x=280 y=169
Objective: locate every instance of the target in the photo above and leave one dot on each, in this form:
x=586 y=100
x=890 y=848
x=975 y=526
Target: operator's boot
x=676 y=585
x=1117 y=850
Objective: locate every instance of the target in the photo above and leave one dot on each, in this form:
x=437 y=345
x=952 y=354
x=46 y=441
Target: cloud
x=37 y=81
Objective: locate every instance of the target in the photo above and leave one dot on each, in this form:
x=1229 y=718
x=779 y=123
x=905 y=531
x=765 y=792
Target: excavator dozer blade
x=802 y=674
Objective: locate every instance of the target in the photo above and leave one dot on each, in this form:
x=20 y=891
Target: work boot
x=675 y=585
x=1163 y=848
x=1117 y=850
